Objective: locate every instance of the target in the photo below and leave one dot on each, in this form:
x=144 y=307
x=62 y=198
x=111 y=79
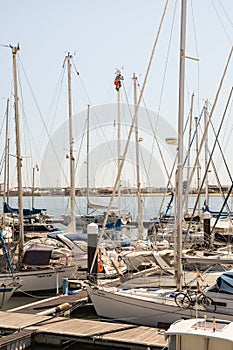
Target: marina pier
x=24 y=330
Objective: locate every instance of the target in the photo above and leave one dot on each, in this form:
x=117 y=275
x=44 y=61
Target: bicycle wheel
x=183 y=300
x=208 y=303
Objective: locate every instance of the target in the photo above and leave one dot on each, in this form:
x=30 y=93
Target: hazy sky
x=104 y=35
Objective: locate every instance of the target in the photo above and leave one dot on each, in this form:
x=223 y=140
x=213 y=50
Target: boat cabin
x=201 y=334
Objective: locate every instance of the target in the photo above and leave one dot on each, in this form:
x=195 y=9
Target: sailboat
x=35 y=219
x=34 y=267
x=157 y=306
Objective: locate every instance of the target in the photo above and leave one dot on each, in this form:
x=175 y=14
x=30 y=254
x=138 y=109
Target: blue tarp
x=225 y=282
x=26 y=212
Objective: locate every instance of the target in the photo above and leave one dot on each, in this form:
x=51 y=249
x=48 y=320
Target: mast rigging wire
x=210 y=116
x=208 y=164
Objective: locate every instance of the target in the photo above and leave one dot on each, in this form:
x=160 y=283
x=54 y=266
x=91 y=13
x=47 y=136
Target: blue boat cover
x=26 y=212
x=225 y=282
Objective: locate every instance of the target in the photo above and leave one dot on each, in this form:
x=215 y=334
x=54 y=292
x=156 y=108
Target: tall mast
x=179 y=202
x=206 y=155
x=140 y=225
x=33 y=186
x=119 y=138
x=88 y=134
x=8 y=170
x=72 y=225
x=5 y=183
x=198 y=166
x=18 y=154
x=188 y=155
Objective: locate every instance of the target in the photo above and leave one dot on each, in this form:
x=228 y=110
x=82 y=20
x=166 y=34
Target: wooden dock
x=42 y=322
x=60 y=330
x=19 y=340
x=49 y=306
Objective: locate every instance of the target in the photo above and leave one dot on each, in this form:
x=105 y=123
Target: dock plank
x=84 y=330
x=19 y=340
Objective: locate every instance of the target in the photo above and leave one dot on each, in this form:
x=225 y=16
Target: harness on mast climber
x=117 y=81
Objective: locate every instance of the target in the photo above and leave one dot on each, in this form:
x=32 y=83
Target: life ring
x=100 y=266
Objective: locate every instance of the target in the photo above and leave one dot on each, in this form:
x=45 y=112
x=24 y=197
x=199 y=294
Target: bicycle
x=189 y=298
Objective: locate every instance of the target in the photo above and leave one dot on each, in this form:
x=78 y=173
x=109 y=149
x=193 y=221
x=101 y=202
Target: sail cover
x=37 y=255
x=225 y=282
x=26 y=212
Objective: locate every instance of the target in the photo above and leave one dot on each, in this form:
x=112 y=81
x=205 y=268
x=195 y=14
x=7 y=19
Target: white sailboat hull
x=154 y=309
x=40 y=280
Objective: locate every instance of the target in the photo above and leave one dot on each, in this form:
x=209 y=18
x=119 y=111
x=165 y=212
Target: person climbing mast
x=117 y=81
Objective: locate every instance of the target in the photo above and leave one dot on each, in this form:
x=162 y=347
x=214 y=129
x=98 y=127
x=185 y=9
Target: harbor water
x=57 y=206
